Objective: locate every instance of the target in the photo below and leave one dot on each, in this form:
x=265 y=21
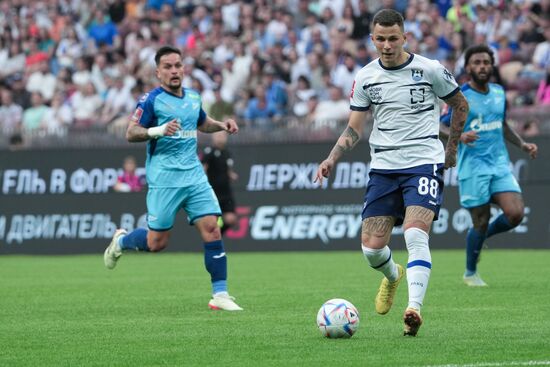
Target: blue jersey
x=172 y=161
x=488 y=154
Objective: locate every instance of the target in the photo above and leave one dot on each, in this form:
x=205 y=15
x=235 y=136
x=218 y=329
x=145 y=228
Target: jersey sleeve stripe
x=357 y=108
x=451 y=94
x=365 y=87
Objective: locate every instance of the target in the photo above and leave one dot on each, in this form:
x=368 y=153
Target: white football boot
x=113 y=251
x=474 y=280
x=223 y=301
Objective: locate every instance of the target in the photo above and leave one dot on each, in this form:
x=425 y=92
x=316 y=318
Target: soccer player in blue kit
x=168 y=118
x=484 y=173
x=407 y=158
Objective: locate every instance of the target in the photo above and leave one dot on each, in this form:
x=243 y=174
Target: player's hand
x=167 y=129
x=531 y=149
x=324 y=170
x=450 y=158
x=171 y=127
x=230 y=126
x=469 y=137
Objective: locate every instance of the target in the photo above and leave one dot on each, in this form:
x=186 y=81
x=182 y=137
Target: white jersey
x=405 y=106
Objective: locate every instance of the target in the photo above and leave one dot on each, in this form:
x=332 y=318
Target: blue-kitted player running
x=484 y=172
x=168 y=118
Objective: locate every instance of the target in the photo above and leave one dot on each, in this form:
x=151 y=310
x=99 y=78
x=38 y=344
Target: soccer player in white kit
x=407 y=157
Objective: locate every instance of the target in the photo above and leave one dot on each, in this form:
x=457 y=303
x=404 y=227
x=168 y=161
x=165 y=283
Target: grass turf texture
x=152 y=311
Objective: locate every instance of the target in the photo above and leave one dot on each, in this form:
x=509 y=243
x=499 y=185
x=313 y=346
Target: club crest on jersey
x=417 y=74
x=144 y=97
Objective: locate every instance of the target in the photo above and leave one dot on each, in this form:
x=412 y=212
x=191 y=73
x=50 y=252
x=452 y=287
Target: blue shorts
x=163 y=203
x=389 y=192
x=477 y=190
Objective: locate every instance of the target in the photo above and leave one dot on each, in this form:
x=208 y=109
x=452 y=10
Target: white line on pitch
x=496 y=364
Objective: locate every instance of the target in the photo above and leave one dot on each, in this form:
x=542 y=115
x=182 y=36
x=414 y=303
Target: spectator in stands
x=86 y=104
x=220 y=110
x=361 y=21
x=42 y=81
x=103 y=31
x=129 y=180
x=345 y=73
x=543 y=91
x=69 y=48
x=300 y=93
x=91 y=40
x=430 y=49
x=116 y=100
x=275 y=88
x=260 y=111
x=34 y=117
x=11 y=114
x=333 y=111
x=59 y=117
x=14 y=62
x=541 y=56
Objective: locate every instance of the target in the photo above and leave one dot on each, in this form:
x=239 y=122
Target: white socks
x=419 y=265
x=381 y=260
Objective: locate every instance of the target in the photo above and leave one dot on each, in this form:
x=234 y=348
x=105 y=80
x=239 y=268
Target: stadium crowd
x=76 y=64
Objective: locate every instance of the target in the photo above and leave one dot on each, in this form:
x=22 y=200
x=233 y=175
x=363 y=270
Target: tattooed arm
x=349 y=139
x=458 y=118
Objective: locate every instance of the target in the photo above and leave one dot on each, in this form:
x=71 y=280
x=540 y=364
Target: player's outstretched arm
x=211 y=126
x=512 y=136
x=460 y=112
x=346 y=142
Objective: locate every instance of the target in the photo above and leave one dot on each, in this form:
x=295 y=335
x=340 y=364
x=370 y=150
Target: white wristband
x=157 y=131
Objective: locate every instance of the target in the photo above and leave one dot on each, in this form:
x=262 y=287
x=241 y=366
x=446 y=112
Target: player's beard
x=174 y=85
x=481 y=80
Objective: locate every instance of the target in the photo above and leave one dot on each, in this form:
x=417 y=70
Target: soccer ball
x=338 y=318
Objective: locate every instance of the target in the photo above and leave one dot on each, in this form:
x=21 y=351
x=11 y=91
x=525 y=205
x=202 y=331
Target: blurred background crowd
x=80 y=65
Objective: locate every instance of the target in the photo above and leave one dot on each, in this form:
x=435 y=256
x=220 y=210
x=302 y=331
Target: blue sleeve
x=445 y=119
x=145 y=111
x=202 y=117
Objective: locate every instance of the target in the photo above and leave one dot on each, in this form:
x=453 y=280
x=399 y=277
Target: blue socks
x=215 y=262
x=135 y=240
x=474 y=242
x=499 y=225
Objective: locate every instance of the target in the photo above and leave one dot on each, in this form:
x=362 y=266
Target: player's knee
x=211 y=232
x=373 y=241
x=515 y=217
x=157 y=244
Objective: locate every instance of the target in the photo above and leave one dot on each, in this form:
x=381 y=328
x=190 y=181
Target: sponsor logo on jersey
x=479 y=125
x=417 y=74
x=375 y=94
x=447 y=74
x=184 y=134
x=136 y=117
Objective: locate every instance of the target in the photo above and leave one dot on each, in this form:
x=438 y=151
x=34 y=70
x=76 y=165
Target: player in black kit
x=218 y=165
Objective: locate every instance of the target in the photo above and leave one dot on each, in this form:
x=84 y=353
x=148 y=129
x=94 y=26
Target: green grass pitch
x=152 y=311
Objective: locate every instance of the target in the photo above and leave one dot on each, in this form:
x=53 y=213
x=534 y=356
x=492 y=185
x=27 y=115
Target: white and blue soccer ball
x=338 y=318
